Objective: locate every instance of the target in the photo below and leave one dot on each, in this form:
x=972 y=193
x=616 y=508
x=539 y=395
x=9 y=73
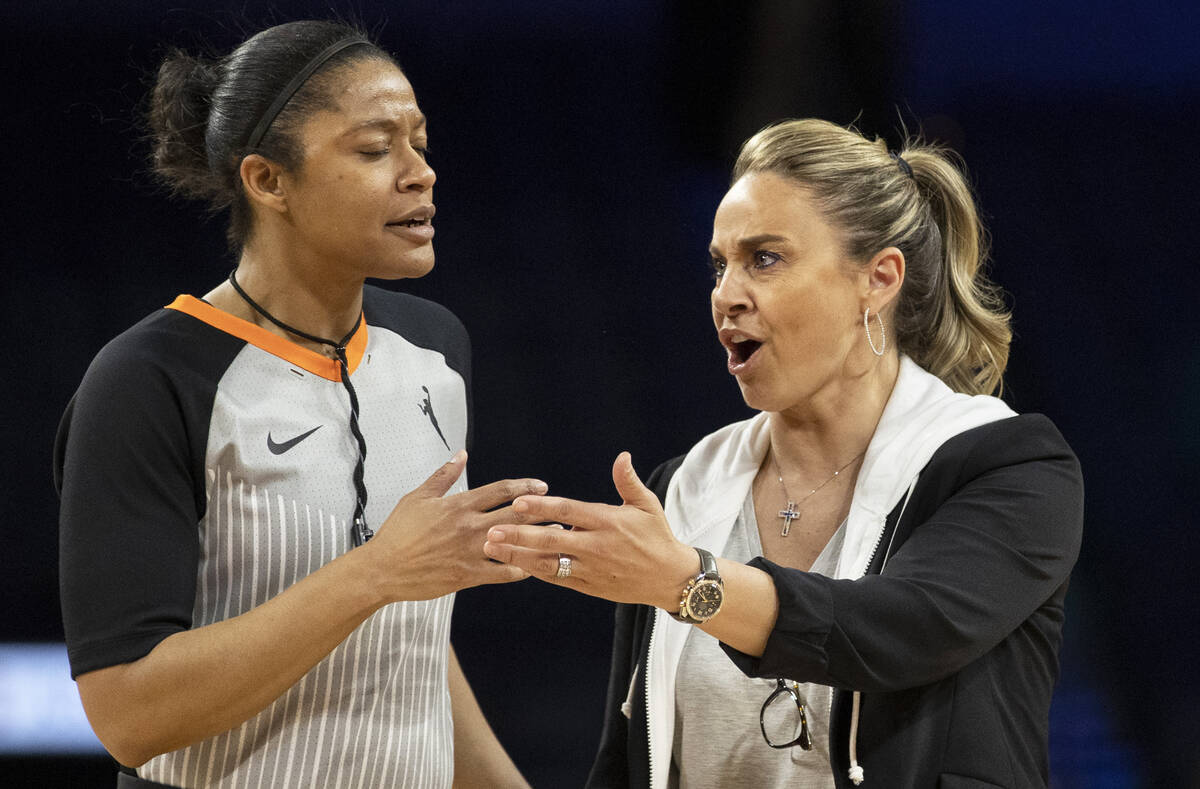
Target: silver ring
x=564 y=566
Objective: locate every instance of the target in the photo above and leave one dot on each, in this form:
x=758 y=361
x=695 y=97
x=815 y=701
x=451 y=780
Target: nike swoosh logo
x=284 y=446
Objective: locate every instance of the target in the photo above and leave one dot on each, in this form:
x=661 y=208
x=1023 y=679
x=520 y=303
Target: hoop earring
x=882 y=334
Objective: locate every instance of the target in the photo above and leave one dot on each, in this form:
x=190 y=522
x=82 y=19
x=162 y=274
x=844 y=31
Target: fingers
x=537 y=550
x=444 y=478
x=488 y=496
x=542 y=564
x=553 y=539
x=629 y=485
x=502 y=574
x=589 y=515
x=504 y=515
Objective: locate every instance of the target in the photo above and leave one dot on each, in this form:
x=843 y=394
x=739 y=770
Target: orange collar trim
x=273 y=344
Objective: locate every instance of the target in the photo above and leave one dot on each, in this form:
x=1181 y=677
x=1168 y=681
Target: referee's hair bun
x=203 y=114
x=179 y=108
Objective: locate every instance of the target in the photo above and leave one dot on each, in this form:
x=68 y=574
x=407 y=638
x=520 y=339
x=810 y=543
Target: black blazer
x=954 y=646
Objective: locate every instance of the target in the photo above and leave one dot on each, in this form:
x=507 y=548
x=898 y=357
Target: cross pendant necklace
x=791 y=513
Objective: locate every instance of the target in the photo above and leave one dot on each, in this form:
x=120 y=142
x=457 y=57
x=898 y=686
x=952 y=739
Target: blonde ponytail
x=967 y=344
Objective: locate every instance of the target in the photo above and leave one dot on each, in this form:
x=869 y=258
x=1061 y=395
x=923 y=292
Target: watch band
x=708 y=575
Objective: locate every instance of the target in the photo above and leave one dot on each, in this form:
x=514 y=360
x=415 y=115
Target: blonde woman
x=895 y=542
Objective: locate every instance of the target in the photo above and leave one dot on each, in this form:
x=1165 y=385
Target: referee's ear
x=262 y=182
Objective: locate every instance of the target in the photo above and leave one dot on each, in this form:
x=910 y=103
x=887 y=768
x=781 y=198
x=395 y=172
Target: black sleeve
x=997 y=542
x=129 y=459
x=616 y=765
x=429 y=325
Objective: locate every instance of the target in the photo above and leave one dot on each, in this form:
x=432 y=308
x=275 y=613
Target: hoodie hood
x=922 y=413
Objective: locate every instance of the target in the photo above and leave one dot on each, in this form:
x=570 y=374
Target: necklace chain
x=791 y=513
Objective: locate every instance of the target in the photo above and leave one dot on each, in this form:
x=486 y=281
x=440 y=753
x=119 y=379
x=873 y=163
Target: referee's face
x=362 y=199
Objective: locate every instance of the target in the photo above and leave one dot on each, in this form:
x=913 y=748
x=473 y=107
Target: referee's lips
x=416 y=225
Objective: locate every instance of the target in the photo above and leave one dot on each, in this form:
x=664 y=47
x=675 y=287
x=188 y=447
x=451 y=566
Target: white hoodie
x=707 y=492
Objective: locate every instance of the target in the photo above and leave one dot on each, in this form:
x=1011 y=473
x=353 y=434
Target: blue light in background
x=40 y=712
x=1070 y=46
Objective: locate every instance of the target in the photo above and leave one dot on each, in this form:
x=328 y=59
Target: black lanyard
x=359 y=531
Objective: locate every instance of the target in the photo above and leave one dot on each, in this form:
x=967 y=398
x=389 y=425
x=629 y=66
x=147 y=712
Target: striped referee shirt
x=204 y=465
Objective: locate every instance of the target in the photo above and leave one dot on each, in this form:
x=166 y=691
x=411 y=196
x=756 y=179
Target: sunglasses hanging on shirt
x=783 y=719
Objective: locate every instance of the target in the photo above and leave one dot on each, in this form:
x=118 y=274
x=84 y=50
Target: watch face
x=705 y=599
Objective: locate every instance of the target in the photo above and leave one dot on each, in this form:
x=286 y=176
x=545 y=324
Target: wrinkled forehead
x=759 y=203
x=765 y=207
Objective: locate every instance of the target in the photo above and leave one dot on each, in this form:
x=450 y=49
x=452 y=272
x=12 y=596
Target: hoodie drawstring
x=856 y=773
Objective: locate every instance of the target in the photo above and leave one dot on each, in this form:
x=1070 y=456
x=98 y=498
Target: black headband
x=290 y=89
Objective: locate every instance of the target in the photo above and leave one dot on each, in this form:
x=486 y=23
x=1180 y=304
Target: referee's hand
x=430 y=544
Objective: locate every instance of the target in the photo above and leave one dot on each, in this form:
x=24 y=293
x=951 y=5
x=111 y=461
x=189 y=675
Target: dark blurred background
x=581 y=149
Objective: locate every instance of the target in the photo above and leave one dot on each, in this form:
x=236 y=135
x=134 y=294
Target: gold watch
x=703 y=595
